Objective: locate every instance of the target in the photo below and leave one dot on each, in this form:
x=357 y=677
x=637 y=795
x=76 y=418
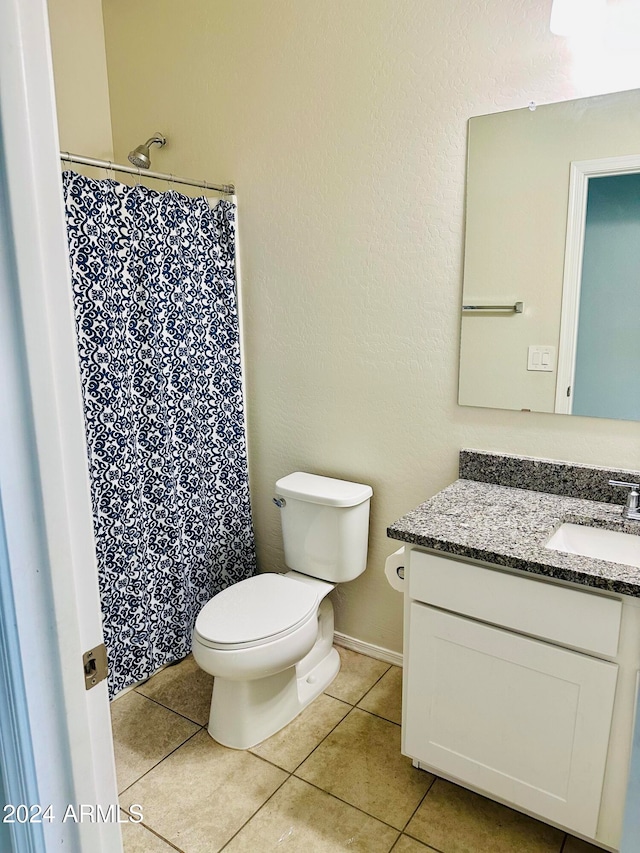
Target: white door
x=43 y=473
x=520 y=719
x=582 y=171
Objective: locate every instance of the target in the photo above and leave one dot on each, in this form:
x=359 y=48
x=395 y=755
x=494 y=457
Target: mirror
x=551 y=302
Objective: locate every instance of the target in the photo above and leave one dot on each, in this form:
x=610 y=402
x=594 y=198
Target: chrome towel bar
x=516 y=308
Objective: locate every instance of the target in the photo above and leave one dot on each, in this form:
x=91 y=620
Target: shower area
x=156 y=309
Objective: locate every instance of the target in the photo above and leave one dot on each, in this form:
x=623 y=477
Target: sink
x=598 y=543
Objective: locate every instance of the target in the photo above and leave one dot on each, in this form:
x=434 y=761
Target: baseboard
x=367 y=649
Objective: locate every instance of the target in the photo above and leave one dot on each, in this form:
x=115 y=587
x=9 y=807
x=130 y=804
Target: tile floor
x=333 y=779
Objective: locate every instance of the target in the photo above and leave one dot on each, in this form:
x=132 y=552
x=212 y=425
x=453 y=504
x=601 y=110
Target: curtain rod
x=225 y=189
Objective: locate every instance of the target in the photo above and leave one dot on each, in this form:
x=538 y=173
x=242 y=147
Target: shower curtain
x=153 y=279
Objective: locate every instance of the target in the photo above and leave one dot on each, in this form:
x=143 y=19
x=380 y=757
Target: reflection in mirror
x=527 y=192
x=597 y=375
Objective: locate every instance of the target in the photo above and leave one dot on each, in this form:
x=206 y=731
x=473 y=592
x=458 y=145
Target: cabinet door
x=517 y=718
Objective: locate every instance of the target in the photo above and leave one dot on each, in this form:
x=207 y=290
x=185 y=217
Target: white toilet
x=268 y=640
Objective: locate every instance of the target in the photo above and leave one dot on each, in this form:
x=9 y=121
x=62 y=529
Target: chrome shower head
x=140 y=156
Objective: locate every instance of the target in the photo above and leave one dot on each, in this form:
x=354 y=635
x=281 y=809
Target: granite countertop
x=509 y=527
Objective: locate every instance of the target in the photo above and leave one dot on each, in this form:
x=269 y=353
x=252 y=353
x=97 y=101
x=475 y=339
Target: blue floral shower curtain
x=153 y=279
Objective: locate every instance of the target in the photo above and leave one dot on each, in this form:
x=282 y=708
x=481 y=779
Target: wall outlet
x=541 y=358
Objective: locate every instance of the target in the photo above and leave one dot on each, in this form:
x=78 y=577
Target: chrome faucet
x=631 y=509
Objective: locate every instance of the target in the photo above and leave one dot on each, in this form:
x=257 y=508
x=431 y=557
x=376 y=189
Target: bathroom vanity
x=521 y=661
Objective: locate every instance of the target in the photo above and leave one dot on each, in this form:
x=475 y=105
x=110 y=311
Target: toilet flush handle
x=279 y=502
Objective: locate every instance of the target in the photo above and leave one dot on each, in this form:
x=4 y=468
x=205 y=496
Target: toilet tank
x=325 y=525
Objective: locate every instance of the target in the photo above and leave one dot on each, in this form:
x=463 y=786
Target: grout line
x=157 y=834
x=395 y=843
x=369 y=689
x=299 y=765
x=379 y=716
x=437 y=849
x=366 y=692
x=380 y=677
x=131 y=688
x=320 y=742
x=164 y=758
x=429 y=846
x=426 y=793
x=259 y=809
x=351 y=805
x=291 y=774
x=167 y=708
x=262 y=758
x=335 y=698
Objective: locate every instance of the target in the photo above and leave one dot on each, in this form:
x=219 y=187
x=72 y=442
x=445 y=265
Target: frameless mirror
x=551 y=294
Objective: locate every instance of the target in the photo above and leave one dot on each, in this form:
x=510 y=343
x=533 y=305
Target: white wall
x=80 y=71
x=344 y=125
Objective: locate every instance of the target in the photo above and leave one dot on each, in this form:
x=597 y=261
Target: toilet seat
x=259 y=609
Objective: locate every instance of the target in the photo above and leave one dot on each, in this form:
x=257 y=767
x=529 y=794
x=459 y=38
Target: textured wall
x=80 y=71
x=343 y=124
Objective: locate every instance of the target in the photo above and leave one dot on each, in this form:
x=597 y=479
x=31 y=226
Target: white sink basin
x=595 y=542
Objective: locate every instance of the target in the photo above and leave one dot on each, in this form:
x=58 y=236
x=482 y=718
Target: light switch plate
x=541 y=358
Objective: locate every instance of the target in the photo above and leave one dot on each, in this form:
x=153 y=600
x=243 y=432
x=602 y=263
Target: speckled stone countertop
x=509 y=527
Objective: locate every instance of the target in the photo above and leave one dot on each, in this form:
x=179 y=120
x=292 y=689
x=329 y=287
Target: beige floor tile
x=360 y=762
x=455 y=820
x=184 y=688
x=293 y=744
x=358 y=673
x=301 y=819
x=385 y=697
x=576 y=845
x=201 y=795
x=143 y=734
x=137 y=839
x=410 y=845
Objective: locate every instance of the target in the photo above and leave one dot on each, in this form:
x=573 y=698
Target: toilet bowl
x=258 y=626
x=268 y=640
x=262 y=681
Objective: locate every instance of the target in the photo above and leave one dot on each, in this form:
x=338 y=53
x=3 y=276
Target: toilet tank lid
x=322 y=490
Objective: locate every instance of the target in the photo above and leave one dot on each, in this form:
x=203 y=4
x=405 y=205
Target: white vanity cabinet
x=512 y=686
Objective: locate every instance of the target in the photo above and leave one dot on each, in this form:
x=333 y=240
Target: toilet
x=268 y=640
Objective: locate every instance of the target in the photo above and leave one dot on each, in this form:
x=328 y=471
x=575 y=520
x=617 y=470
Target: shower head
x=140 y=156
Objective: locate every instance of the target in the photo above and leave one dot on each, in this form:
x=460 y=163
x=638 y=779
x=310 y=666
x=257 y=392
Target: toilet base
x=244 y=713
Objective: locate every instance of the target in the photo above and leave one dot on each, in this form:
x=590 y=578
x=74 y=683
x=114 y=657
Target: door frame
x=43 y=465
x=581 y=173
